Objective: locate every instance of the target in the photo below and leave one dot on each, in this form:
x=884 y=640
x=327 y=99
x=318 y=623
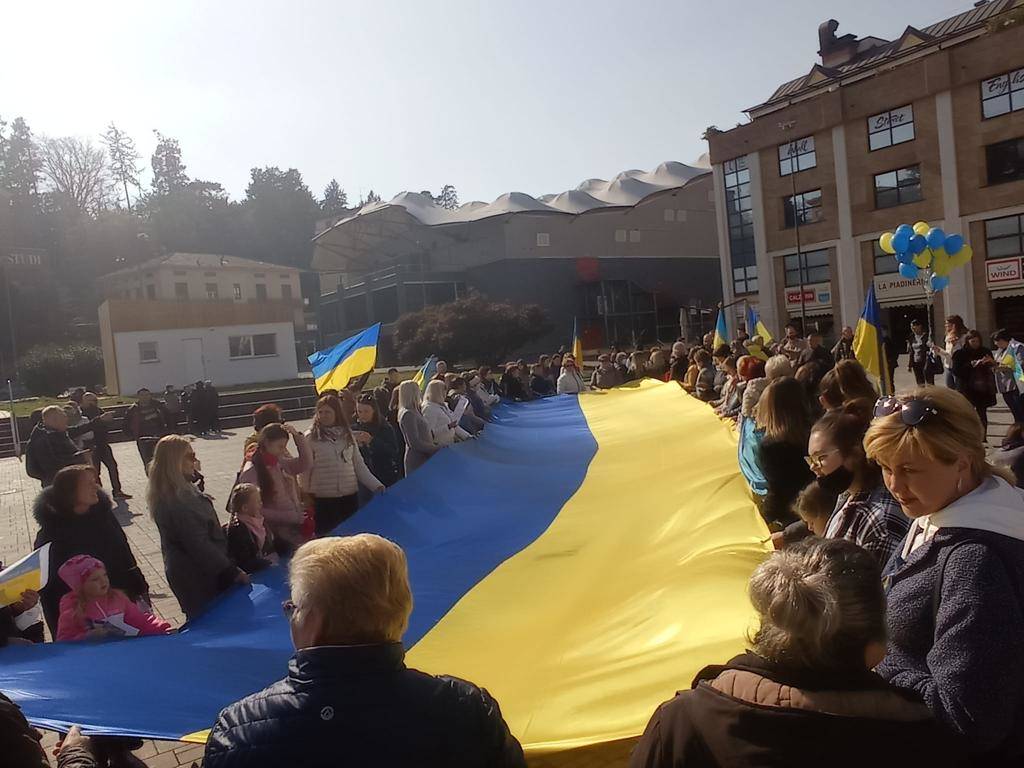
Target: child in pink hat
x=92 y=610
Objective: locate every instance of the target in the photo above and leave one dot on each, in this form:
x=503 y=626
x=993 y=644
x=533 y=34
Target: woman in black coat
x=972 y=367
x=77 y=518
x=783 y=414
x=380 y=449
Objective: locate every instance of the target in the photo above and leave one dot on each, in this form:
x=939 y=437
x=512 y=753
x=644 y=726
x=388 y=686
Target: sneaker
x=121 y=495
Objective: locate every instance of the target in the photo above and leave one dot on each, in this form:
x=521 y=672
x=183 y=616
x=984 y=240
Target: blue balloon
x=906 y=229
x=901 y=240
x=918 y=244
x=939 y=282
x=908 y=271
x=936 y=238
x=904 y=257
x=953 y=244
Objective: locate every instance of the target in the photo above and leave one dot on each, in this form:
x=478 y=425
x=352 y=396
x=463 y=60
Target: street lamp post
x=788 y=126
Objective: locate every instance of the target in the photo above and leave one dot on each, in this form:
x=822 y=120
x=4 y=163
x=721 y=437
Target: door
x=194 y=365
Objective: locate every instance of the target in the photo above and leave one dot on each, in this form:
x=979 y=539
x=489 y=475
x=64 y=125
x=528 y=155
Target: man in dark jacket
x=147 y=421
x=348 y=698
x=21 y=747
x=100 y=442
x=50 y=447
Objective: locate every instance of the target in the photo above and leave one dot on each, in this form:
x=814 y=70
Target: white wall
x=217 y=365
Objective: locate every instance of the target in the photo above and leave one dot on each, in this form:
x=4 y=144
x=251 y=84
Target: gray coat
x=195 y=554
x=419 y=441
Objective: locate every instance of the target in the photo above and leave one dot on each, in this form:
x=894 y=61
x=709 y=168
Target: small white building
x=154 y=343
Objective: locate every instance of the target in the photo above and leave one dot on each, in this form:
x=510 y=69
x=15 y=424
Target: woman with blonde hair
x=419 y=441
x=192 y=541
x=443 y=427
x=336 y=469
x=784 y=421
x=804 y=695
x=956 y=586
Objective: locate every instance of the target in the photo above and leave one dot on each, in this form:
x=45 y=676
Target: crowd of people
x=891 y=614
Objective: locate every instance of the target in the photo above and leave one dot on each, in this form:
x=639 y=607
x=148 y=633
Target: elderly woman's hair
x=409 y=395
x=436 y=390
x=777 y=367
x=359 y=585
x=820 y=603
x=954 y=432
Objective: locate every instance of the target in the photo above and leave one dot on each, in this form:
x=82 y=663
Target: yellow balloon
x=885 y=242
x=941 y=262
x=923 y=259
x=961 y=257
x=921 y=228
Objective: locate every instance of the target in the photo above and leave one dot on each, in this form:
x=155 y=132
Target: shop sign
x=895 y=287
x=1001 y=273
x=817 y=296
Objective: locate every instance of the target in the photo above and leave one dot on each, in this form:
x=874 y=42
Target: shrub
x=50 y=369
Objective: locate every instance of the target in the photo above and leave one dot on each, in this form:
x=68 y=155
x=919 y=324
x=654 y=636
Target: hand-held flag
x=577 y=345
x=426 y=373
x=721 y=331
x=31 y=572
x=867 y=340
x=335 y=367
x=756 y=328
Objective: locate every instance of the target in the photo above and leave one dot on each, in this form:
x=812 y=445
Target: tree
x=76 y=170
x=371 y=197
x=168 y=169
x=448 y=197
x=471 y=328
x=124 y=159
x=335 y=200
x=19 y=168
x=280 y=216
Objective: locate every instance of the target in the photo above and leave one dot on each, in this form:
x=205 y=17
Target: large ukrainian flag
x=585 y=566
x=334 y=368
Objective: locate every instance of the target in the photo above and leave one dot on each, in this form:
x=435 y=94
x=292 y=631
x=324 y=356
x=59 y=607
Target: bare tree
x=77 y=172
x=124 y=159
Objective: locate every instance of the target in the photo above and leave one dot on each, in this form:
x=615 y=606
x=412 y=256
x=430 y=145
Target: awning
x=1006 y=293
x=902 y=301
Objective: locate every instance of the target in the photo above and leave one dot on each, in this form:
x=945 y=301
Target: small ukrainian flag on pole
x=721 y=331
x=334 y=368
x=425 y=374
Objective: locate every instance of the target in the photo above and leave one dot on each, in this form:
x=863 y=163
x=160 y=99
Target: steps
x=6 y=436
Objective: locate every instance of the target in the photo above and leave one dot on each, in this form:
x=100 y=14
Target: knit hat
x=77 y=569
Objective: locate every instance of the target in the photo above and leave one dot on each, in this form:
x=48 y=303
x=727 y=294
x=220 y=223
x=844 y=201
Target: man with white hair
x=348 y=698
x=50 y=448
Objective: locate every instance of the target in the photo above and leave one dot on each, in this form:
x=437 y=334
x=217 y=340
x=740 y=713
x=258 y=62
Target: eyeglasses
x=816 y=462
x=912 y=411
x=288 y=608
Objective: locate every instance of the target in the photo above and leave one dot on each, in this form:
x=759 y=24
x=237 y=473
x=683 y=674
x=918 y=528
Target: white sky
x=402 y=94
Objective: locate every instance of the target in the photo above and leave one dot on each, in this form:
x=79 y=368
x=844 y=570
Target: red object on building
x=588 y=269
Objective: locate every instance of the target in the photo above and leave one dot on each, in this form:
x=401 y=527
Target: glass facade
x=740 y=216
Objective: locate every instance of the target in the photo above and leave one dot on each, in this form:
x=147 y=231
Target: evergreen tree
x=448 y=198
x=19 y=172
x=371 y=197
x=280 y=214
x=335 y=200
x=168 y=169
x=124 y=159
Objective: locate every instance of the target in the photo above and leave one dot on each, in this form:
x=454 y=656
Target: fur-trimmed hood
x=52 y=516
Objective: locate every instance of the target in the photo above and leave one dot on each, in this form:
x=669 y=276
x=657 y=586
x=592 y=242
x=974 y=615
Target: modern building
x=206 y=277
x=929 y=126
x=622 y=257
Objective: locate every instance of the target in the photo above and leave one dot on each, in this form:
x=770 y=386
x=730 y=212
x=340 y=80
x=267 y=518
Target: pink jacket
x=286 y=507
x=71 y=626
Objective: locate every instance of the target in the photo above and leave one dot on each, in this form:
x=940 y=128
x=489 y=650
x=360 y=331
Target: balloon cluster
x=924 y=251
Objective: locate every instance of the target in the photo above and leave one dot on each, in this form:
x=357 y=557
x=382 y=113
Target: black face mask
x=838 y=482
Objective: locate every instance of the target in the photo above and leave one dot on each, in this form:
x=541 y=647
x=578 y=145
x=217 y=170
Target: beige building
x=929 y=126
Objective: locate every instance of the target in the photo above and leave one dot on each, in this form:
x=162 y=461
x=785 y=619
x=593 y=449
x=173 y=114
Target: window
x=1005 y=161
x=811 y=266
x=670 y=214
x=1004 y=237
x=543 y=239
x=740 y=217
x=147 y=352
x=807 y=206
x=885 y=263
x=634 y=235
x=286 y=292
x=211 y=291
x=680 y=215
x=893 y=127
x=898 y=187
x=620 y=235
x=237 y=289
x=261 y=291
x=256 y=345
x=181 y=291
x=150 y=291
x=1002 y=94
x=796 y=156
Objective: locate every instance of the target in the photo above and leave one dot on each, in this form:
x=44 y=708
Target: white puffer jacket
x=338 y=467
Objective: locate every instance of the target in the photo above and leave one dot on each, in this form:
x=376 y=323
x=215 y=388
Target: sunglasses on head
x=912 y=410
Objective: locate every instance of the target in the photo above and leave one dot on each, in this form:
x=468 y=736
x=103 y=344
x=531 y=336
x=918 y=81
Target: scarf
x=256 y=528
